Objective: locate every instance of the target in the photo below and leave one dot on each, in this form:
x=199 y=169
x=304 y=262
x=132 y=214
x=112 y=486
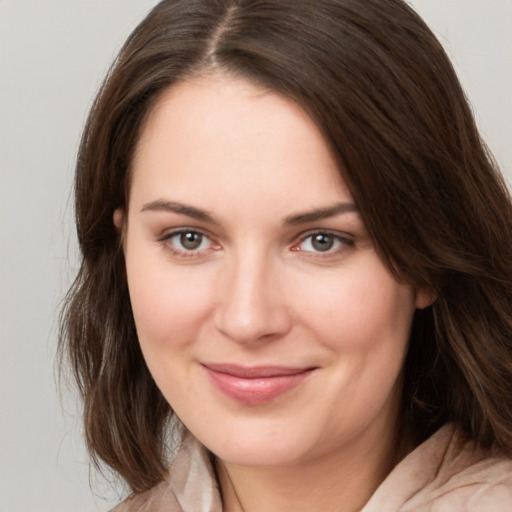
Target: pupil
x=323 y=242
x=191 y=240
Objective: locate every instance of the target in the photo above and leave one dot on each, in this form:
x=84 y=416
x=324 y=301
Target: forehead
x=230 y=136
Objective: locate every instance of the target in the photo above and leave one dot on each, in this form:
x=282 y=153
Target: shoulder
x=189 y=485
x=447 y=473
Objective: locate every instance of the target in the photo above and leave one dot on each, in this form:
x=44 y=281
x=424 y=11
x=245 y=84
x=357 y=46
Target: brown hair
x=383 y=92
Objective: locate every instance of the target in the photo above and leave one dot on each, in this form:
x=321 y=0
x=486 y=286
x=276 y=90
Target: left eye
x=189 y=241
x=321 y=242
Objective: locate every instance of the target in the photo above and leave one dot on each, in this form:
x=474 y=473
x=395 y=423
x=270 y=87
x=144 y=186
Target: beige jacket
x=447 y=473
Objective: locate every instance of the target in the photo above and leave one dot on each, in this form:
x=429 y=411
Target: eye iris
x=191 y=241
x=322 y=242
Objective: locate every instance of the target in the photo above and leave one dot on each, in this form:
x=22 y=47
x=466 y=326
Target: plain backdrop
x=53 y=54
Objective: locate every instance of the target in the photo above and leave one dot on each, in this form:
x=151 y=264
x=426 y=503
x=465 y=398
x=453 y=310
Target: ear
x=118 y=219
x=425 y=297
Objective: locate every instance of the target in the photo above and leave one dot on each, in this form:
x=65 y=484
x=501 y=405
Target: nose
x=251 y=306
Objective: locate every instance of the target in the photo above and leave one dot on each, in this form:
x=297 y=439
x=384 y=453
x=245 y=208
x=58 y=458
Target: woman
x=296 y=266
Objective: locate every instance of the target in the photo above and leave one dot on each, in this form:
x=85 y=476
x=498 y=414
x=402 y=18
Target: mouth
x=255 y=385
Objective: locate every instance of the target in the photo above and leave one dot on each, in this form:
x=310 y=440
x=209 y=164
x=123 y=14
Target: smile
x=255 y=385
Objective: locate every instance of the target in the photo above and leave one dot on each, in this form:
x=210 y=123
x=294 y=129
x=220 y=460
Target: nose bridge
x=252 y=306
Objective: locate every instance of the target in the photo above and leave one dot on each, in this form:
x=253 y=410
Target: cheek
x=169 y=306
x=363 y=318
x=168 y=303
x=361 y=308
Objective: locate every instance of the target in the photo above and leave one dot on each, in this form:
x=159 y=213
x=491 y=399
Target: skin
x=240 y=169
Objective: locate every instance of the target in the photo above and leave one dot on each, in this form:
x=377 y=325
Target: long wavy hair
x=384 y=94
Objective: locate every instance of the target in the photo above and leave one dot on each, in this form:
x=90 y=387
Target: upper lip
x=255 y=372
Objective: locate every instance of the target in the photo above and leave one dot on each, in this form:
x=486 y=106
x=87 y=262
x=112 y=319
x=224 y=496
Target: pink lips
x=255 y=385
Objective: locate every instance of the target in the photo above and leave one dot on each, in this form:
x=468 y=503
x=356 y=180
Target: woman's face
x=264 y=314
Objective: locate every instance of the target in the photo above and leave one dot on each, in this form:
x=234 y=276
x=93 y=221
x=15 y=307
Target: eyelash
x=342 y=243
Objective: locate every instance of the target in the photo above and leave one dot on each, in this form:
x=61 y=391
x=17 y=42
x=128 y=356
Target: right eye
x=187 y=243
x=190 y=241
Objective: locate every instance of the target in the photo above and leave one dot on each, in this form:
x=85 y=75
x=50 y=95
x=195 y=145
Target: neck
x=340 y=481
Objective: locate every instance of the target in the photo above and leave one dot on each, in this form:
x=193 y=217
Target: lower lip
x=256 y=390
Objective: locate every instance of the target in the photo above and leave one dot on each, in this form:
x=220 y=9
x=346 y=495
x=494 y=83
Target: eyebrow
x=292 y=220
x=182 y=209
x=320 y=214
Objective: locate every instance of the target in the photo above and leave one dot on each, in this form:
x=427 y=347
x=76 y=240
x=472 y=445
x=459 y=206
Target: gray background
x=53 y=54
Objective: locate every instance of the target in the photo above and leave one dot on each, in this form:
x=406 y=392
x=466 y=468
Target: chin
x=260 y=443
x=257 y=453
